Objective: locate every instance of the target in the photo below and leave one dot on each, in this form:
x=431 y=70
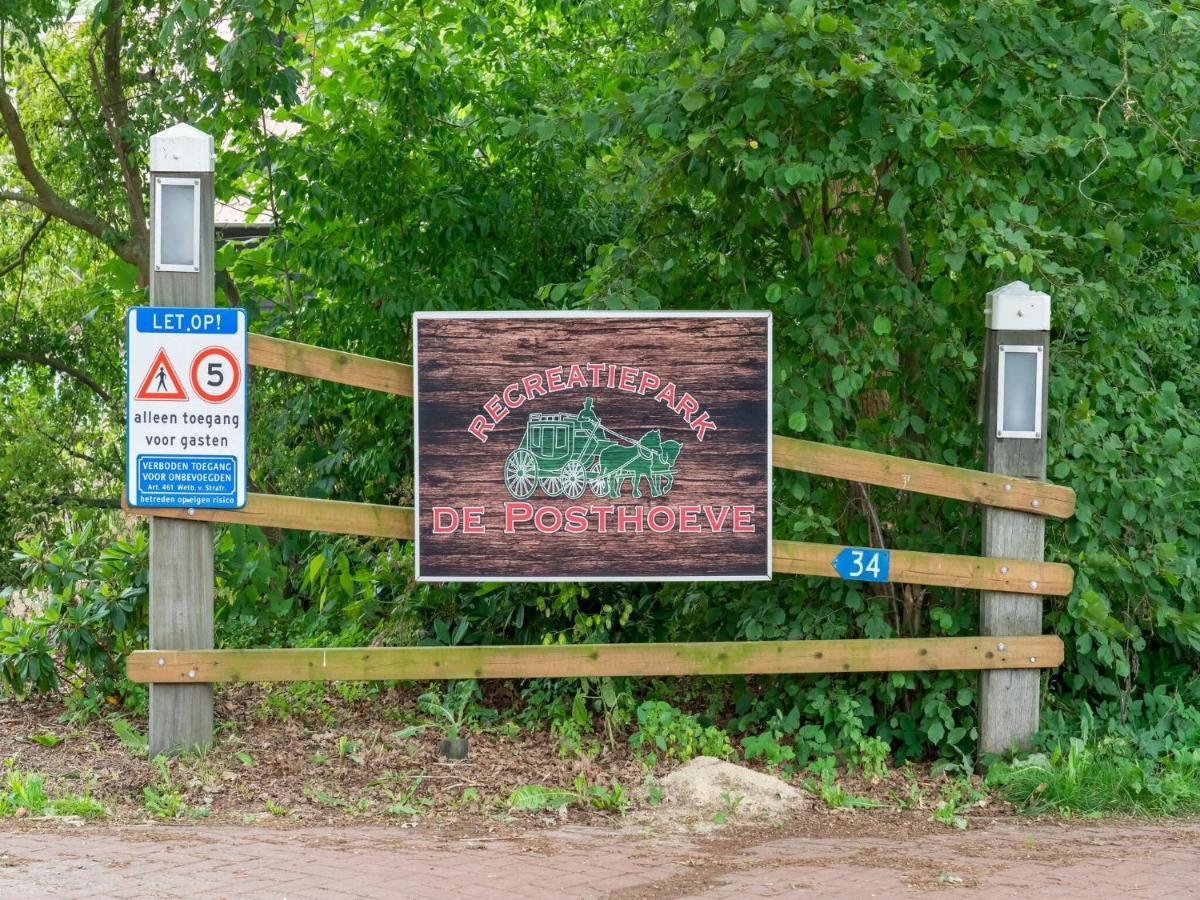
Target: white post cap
x=1015 y=307
x=181 y=148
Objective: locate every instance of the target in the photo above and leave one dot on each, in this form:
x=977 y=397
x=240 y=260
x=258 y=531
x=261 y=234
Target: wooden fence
x=1018 y=576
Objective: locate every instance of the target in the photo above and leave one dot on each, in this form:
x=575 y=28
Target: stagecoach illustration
x=566 y=454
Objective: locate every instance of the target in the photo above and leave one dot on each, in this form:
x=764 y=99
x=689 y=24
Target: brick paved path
x=1003 y=859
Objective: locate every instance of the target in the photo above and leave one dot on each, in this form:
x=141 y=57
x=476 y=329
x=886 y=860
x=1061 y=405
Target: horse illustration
x=651 y=458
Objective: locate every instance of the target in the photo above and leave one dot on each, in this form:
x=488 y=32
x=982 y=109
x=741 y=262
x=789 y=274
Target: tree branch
x=18 y=197
x=28 y=243
x=48 y=200
x=114 y=110
x=59 y=366
x=73 y=110
x=878 y=540
x=77 y=454
x=903 y=256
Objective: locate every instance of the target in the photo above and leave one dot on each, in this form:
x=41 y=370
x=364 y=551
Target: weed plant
x=1107 y=778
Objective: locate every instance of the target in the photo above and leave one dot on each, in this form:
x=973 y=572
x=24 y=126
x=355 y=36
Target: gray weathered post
x=1016 y=390
x=181 y=552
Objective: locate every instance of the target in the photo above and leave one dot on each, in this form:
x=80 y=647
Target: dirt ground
x=323 y=759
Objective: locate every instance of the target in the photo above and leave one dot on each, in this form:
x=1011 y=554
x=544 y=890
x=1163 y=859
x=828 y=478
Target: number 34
x=858 y=567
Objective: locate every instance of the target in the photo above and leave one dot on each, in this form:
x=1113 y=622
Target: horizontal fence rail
x=1002 y=491
x=1018 y=576
x=715 y=658
x=330 y=365
x=920 y=477
x=301 y=514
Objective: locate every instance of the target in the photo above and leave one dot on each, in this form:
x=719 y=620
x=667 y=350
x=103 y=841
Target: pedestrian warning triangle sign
x=161 y=382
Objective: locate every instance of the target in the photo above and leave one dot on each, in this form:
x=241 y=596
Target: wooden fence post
x=1015 y=394
x=181 y=552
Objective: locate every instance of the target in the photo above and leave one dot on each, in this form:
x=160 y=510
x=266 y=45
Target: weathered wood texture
x=794 y=557
x=924 y=477
x=330 y=365
x=790 y=453
x=1009 y=700
x=721 y=362
x=554 y=661
x=302 y=514
x=912 y=567
x=181 y=553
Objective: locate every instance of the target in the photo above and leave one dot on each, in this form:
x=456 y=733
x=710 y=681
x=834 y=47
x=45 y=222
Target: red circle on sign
x=219 y=392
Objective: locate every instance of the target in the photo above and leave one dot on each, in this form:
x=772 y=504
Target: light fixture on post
x=1020 y=367
x=1019 y=390
x=177 y=224
x=177 y=196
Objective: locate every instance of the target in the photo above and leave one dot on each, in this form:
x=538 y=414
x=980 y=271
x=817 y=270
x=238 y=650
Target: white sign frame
x=1040 y=365
x=172 y=458
x=194 y=184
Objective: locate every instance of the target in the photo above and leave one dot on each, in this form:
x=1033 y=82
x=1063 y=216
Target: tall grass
x=1105 y=778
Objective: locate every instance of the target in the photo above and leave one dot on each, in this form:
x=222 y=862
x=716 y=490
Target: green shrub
x=676 y=735
x=87 y=610
x=1106 y=778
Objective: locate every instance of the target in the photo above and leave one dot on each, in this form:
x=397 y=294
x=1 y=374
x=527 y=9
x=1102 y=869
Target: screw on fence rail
x=1013 y=413
x=181 y=551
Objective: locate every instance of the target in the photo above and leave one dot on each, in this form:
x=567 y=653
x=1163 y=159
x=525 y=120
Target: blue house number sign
x=863 y=563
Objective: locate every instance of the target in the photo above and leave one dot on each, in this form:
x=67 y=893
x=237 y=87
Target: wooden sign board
x=593 y=446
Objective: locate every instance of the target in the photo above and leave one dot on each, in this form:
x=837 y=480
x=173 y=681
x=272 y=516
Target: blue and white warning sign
x=186 y=411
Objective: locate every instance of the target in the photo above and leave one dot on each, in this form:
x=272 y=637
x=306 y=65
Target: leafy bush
x=1142 y=758
x=661 y=728
x=86 y=599
x=452 y=708
x=767 y=747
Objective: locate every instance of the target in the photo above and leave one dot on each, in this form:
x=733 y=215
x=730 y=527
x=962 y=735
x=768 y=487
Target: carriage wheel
x=552 y=485
x=520 y=473
x=599 y=487
x=574 y=479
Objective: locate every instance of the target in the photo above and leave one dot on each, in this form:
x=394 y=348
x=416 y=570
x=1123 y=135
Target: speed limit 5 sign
x=186 y=407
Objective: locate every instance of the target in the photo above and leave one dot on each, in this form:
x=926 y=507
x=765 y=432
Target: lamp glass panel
x=177 y=224
x=1020 y=391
